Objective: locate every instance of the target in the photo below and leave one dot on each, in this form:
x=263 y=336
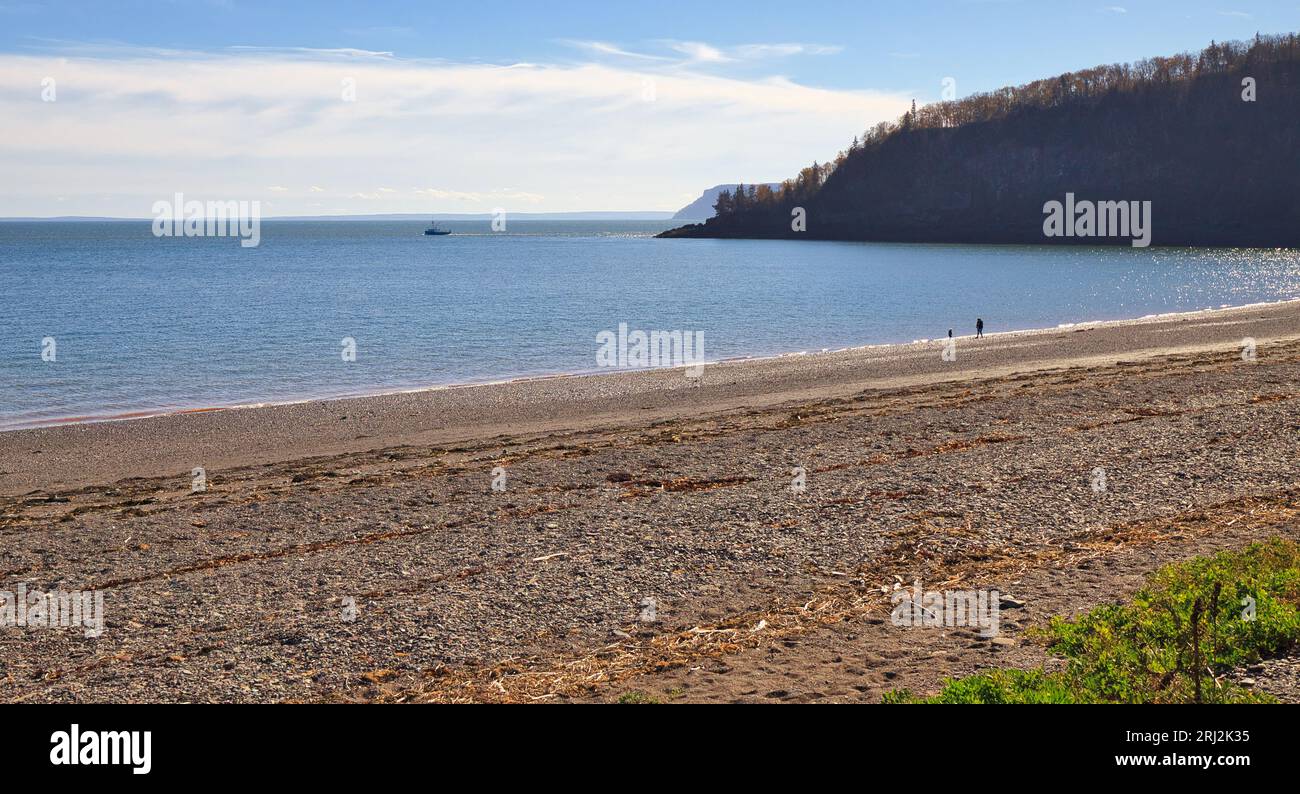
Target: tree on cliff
x=723 y=205
x=1217 y=161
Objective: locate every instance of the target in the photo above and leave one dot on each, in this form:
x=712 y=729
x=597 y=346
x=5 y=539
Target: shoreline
x=91 y=454
x=362 y=550
x=490 y=381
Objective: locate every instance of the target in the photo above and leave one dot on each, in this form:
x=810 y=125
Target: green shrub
x=636 y=697
x=995 y=686
x=1170 y=644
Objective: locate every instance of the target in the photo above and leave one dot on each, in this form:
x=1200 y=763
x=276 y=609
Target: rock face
x=702 y=207
x=1217 y=169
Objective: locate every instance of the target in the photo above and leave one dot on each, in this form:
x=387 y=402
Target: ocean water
x=144 y=324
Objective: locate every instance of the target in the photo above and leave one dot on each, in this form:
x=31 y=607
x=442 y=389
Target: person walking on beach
x=979 y=327
x=950 y=333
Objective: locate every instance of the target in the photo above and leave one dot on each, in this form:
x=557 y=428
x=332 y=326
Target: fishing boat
x=433 y=230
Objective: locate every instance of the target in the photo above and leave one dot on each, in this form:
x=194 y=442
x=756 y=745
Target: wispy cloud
x=605 y=48
x=694 y=53
x=131 y=127
x=699 y=52
x=751 y=51
x=347 y=52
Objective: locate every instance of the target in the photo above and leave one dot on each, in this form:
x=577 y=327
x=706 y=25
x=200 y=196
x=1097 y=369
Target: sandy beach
x=644 y=535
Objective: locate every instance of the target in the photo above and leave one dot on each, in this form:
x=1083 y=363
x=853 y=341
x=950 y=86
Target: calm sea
x=144 y=324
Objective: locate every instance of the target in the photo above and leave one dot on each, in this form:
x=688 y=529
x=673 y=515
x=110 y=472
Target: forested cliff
x=1211 y=140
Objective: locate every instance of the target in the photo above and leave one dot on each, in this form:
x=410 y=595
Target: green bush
x=636 y=696
x=995 y=686
x=1171 y=644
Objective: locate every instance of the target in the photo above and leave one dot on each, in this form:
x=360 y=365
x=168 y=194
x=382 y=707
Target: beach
x=731 y=536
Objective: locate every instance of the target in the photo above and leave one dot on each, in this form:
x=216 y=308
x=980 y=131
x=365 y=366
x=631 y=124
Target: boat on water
x=433 y=230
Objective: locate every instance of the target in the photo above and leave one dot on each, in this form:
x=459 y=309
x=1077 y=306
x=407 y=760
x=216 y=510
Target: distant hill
x=702 y=207
x=1179 y=132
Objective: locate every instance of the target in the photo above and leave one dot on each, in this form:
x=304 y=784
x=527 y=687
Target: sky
x=376 y=107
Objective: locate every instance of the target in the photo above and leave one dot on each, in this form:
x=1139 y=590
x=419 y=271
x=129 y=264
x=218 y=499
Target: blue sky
x=537 y=106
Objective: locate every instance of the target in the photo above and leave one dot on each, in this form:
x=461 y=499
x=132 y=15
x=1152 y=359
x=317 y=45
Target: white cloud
x=127 y=130
x=605 y=48
x=699 y=52
x=751 y=51
x=694 y=53
x=348 y=52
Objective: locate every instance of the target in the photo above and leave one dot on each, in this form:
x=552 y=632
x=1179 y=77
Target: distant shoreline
x=704 y=231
